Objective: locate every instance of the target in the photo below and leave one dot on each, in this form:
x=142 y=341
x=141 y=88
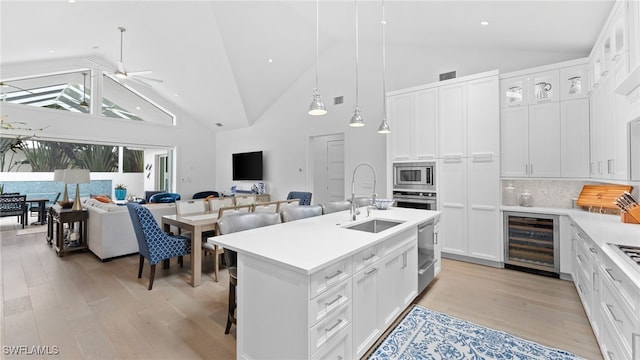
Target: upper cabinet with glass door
x=530 y=89
x=574 y=82
x=611 y=52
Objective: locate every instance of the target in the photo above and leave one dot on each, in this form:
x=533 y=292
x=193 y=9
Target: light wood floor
x=91 y=309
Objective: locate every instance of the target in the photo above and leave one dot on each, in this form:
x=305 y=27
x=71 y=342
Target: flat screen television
x=247 y=166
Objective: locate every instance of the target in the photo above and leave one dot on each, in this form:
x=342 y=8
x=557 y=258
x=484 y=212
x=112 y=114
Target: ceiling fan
x=122 y=74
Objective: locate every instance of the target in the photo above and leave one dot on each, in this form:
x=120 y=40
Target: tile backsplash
x=546 y=193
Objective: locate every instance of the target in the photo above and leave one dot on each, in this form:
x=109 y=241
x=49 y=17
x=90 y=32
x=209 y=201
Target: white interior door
x=328 y=168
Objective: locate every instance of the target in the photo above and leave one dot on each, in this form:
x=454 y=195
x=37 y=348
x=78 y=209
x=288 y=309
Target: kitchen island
x=314 y=288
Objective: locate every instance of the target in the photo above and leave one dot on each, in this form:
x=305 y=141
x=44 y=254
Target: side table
x=57 y=217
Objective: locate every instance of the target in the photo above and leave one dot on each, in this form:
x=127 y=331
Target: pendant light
x=356 y=119
x=317 y=106
x=384 y=126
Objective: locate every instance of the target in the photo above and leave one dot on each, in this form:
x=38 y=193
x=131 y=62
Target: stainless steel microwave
x=414 y=175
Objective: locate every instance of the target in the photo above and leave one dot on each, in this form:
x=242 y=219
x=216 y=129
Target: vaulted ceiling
x=227 y=61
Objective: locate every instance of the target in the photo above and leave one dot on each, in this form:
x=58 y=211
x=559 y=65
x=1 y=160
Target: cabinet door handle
x=334 y=275
x=327 y=304
x=615 y=58
x=613 y=316
x=404 y=260
x=593 y=250
x=370 y=256
x=531 y=169
x=367 y=273
x=333 y=326
x=580 y=288
x=610 y=272
x=594 y=282
x=611 y=355
x=526 y=169
x=435 y=238
x=580 y=259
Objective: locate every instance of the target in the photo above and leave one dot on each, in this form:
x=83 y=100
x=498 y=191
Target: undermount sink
x=374 y=225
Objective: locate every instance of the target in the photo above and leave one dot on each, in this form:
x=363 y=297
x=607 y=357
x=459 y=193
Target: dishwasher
x=426 y=256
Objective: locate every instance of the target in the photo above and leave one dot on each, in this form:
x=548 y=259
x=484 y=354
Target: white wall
x=283 y=131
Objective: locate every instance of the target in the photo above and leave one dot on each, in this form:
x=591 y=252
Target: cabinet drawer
x=618 y=315
x=583 y=263
x=583 y=285
x=398 y=241
x=365 y=258
x=590 y=247
x=338 y=348
x=612 y=349
x=629 y=293
x=328 y=277
x=324 y=304
x=329 y=328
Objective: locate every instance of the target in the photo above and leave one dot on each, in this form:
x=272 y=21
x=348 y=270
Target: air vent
x=447 y=76
x=338 y=100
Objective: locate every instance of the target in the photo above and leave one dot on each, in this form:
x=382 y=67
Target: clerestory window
x=72 y=91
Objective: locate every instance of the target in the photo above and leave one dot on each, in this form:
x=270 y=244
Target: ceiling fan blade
x=137 y=80
x=141 y=72
x=147 y=78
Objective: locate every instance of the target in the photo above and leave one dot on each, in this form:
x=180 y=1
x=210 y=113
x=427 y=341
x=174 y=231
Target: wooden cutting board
x=598 y=196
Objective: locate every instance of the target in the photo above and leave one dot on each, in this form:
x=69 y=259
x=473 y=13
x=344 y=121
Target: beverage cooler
x=532 y=243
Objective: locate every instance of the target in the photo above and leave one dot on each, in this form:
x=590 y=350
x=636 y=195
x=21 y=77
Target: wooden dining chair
x=245 y=199
x=197 y=206
x=216 y=203
x=269 y=207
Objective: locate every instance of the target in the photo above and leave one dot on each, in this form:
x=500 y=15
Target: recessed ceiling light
x=52 y=51
x=71 y=1
x=484 y=23
x=270 y=61
x=137 y=107
x=176 y=95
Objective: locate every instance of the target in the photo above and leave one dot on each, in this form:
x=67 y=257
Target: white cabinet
x=437 y=249
x=574 y=136
x=483 y=117
x=366 y=320
x=401 y=120
x=383 y=289
x=453 y=115
x=413 y=118
x=547 y=134
x=530 y=141
x=483 y=226
x=544 y=140
x=469 y=192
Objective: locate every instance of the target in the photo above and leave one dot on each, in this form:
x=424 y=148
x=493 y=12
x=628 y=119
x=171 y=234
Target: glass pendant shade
x=356 y=119
x=317 y=106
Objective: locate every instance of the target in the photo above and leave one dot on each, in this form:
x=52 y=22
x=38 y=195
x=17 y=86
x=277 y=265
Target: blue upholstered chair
x=164 y=197
x=153 y=243
x=205 y=194
x=305 y=197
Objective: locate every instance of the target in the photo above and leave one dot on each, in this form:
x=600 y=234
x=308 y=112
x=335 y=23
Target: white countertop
x=603 y=229
x=309 y=244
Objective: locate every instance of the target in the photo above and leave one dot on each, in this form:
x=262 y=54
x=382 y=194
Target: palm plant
x=46 y=156
x=101 y=158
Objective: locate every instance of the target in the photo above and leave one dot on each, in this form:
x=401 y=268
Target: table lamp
x=76 y=176
x=58 y=175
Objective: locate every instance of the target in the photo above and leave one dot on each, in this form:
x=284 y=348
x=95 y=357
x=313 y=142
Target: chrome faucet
x=354 y=210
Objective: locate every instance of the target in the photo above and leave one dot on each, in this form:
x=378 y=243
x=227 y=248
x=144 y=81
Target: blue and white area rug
x=427 y=334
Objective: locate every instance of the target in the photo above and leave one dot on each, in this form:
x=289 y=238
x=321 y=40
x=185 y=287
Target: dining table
x=42 y=203
x=196 y=224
